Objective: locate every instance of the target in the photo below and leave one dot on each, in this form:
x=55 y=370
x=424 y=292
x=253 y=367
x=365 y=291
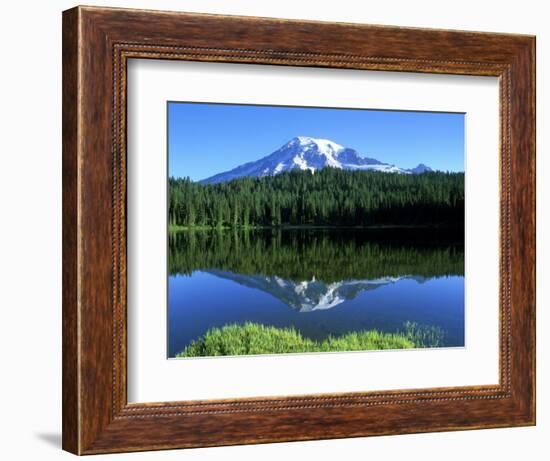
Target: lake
x=322 y=282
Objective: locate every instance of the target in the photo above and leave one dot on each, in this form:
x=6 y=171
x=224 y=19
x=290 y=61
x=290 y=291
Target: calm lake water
x=321 y=282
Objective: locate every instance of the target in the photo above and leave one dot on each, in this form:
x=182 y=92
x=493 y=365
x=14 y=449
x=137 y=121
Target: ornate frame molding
x=97 y=43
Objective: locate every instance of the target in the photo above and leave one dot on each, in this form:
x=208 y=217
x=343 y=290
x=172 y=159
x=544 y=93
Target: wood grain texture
x=97 y=43
x=70 y=384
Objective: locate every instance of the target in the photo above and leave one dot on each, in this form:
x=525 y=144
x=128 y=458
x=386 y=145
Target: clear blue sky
x=206 y=139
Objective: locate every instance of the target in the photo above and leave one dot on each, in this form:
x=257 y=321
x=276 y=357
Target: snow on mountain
x=305 y=153
x=309 y=295
x=421 y=168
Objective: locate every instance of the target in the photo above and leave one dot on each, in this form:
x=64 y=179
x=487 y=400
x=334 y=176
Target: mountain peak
x=419 y=169
x=308 y=153
x=323 y=145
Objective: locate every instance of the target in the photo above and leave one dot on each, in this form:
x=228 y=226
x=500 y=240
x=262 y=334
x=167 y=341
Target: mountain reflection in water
x=323 y=282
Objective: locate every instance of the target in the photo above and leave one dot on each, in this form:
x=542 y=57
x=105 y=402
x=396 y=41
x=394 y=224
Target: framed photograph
x=282 y=230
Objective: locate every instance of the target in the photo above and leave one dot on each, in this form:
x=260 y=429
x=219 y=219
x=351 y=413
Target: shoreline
x=176 y=228
x=234 y=339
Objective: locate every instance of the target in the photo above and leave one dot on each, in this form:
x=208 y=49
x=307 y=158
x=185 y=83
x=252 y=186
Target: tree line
x=328 y=197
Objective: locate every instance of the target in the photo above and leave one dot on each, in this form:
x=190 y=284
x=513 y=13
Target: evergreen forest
x=329 y=197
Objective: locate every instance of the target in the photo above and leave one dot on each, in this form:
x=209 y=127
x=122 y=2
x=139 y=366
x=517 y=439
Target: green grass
x=253 y=338
x=423 y=335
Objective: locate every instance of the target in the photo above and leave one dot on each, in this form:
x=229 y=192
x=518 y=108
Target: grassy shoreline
x=254 y=339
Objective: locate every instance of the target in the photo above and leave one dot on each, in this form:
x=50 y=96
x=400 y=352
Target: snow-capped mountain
x=309 y=295
x=305 y=153
x=419 y=169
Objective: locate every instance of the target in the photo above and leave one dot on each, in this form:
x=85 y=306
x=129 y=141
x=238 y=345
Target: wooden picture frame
x=97 y=43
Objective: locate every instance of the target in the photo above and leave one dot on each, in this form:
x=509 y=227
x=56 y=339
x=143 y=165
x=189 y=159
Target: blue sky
x=206 y=139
